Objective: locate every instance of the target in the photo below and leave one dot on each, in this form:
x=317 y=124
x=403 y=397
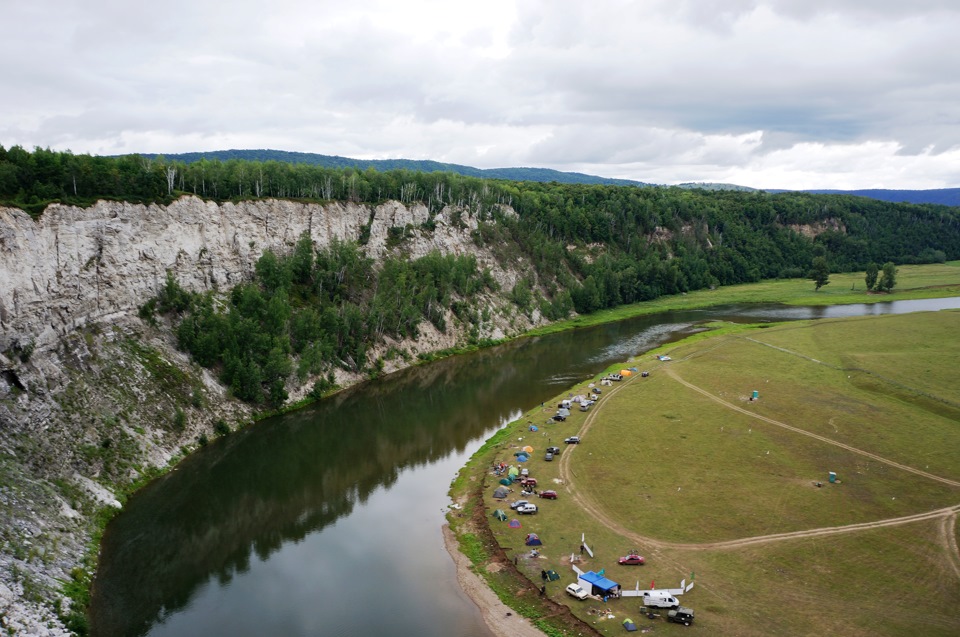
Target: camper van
x=660 y=599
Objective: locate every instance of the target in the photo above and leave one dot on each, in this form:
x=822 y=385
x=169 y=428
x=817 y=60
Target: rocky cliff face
x=91 y=398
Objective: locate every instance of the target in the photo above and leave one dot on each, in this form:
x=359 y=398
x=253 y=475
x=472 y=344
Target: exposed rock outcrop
x=92 y=398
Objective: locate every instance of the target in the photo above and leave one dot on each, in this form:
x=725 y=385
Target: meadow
x=685 y=467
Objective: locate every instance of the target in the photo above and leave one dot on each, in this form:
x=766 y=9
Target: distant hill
x=335 y=161
x=943 y=196
x=709 y=185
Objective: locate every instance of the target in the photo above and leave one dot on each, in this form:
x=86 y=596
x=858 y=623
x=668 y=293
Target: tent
x=626 y=372
x=553 y=576
x=522 y=458
x=533 y=427
x=500 y=515
x=597 y=584
x=633 y=369
x=528 y=449
x=563 y=412
x=514 y=523
x=513 y=472
x=501 y=492
x=533 y=540
x=506 y=481
x=629 y=625
x=579 y=398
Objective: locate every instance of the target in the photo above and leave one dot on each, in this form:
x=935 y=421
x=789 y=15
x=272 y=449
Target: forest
x=591 y=246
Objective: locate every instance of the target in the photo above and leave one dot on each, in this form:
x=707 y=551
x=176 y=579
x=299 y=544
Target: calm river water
x=328 y=521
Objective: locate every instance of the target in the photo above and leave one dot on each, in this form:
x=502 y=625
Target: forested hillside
x=593 y=246
x=416 y=165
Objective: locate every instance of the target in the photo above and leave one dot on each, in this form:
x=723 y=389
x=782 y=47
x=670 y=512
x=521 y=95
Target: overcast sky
x=763 y=93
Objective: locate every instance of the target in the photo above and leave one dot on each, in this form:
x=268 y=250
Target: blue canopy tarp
x=600 y=584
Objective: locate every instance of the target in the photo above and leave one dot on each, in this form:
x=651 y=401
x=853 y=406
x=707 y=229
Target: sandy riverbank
x=502 y=621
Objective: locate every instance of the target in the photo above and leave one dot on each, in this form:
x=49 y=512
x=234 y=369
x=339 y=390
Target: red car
x=632 y=559
x=549 y=495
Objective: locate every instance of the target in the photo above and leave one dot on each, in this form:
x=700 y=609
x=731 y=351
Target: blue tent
x=599 y=585
x=533 y=427
x=522 y=458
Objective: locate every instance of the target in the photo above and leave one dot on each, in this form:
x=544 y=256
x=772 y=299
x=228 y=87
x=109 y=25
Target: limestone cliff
x=92 y=398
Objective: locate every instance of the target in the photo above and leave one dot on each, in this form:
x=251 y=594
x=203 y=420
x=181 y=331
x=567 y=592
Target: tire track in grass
x=673 y=374
x=948 y=535
x=589 y=505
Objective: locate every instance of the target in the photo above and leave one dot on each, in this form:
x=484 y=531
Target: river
x=327 y=521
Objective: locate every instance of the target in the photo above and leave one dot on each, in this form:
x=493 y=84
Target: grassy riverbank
x=665 y=466
x=913 y=282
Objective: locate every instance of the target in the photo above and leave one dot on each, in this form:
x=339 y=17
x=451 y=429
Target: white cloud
x=771 y=93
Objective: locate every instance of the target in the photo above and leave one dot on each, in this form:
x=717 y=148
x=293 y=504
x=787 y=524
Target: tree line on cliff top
x=591 y=246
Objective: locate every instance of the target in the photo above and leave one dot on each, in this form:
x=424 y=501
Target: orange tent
x=626 y=372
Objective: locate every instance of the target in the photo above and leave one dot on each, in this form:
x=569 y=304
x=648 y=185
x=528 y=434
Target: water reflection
x=206 y=541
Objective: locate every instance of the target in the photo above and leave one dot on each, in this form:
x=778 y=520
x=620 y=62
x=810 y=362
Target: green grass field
x=913 y=282
x=666 y=466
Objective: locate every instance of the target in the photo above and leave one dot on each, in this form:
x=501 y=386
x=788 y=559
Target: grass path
x=947 y=514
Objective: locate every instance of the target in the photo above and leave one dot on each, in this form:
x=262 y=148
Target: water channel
x=327 y=521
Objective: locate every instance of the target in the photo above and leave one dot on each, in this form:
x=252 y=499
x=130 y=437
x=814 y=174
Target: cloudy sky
x=763 y=93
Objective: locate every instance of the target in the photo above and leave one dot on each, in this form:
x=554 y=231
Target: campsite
x=709 y=462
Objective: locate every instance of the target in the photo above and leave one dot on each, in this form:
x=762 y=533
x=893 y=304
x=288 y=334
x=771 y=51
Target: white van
x=660 y=599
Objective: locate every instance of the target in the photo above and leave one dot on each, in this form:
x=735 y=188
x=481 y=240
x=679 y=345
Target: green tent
x=506 y=481
x=513 y=471
x=553 y=575
x=500 y=515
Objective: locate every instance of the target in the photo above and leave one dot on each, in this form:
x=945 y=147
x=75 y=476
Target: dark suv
x=681 y=615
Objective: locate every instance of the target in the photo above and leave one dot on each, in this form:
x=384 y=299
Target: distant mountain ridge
x=942 y=196
x=545 y=175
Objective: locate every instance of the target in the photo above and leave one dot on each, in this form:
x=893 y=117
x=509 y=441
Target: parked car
x=577 y=591
x=527 y=508
x=682 y=615
x=524 y=472
x=554 y=450
x=528 y=483
x=559 y=418
x=548 y=456
x=572 y=440
x=518 y=504
x=632 y=559
x=551 y=495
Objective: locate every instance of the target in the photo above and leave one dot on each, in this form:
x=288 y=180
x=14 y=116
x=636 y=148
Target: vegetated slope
x=416 y=165
x=604 y=245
